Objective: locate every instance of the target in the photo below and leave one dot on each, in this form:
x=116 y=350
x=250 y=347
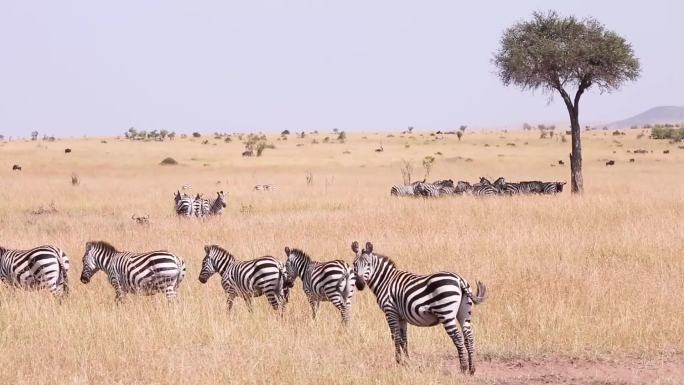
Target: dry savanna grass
x=582 y=277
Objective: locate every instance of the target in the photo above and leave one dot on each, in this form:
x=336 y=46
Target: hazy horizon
x=74 y=68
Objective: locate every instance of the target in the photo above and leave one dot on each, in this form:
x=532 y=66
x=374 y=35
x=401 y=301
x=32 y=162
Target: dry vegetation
x=586 y=278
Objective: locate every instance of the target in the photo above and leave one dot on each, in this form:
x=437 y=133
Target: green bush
x=670 y=133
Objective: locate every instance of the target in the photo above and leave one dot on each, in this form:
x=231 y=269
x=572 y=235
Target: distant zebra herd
x=186 y=205
x=483 y=188
x=405 y=298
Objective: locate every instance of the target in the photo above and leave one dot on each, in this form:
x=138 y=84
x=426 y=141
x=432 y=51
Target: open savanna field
x=581 y=289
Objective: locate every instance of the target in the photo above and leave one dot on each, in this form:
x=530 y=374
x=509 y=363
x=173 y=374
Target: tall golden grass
x=600 y=274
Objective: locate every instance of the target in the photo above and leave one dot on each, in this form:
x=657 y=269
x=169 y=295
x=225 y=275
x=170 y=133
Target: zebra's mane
x=104 y=246
x=388 y=259
x=221 y=250
x=301 y=254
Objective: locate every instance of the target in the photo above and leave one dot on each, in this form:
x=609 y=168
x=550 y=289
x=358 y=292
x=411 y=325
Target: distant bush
x=196 y=135
x=670 y=133
x=168 y=162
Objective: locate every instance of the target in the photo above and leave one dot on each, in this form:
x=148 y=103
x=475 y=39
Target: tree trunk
x=576 y=181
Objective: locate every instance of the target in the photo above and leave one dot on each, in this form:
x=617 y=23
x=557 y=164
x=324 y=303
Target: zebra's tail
x=346 y=283
x=63 y=278
x=481 y=292
x=181 y=272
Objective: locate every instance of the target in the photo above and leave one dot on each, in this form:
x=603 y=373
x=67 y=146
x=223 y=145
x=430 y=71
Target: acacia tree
x=561 y=54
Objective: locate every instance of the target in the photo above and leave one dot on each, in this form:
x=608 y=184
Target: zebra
x=322 y=281
x=43 y=267
x=146 y=273
x=205 y=207
x=184 y=204
x=477 y=189
x=405 y=190
x=552 y=187
x=247 y=279
x=420 y=300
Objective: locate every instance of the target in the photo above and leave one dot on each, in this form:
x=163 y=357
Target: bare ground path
x=662 y=369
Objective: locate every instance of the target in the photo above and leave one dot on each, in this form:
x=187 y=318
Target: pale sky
x=70 y=68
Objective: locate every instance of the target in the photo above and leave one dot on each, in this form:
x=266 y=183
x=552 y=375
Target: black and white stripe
x=421 y=300
x=264 y=187
x=322 y=281
x=246 y=279
x=43 y=267
x=184 y=204
x=145 y=273
x=402 y=190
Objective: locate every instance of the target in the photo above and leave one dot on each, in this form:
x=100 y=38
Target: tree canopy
x=553 y=52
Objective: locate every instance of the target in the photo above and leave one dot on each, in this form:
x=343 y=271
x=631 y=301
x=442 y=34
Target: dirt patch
x=662 y=369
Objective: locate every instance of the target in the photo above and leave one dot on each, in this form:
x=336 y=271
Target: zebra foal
x=420 y=300
x=331 y=281
x=246 y=279
x=43 y=267
x=146 y=273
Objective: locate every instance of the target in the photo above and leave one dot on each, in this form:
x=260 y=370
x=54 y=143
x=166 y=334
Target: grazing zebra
x=200 y=207
x=421 y=300
x=184 y=204
x=428 y=190
x=552 y=187
x=322 y=281
x=43 y=267
x=146 y=273
x=247 y=279
x=405 y=190
x=477 y=189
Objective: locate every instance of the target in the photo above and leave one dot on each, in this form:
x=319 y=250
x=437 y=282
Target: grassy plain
x=588 y=277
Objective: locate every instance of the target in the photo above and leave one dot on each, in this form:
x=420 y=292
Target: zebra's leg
x=464 y=316
x=229 y=301
x=248 y=302
x=273 y=301
x=403 y=334
x=314 y=305
x=170 y=292
x=118 y=290
x=451 y=327
x=342 y=307
x=393 y=321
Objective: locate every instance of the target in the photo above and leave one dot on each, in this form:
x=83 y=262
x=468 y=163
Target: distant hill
x=655 y=115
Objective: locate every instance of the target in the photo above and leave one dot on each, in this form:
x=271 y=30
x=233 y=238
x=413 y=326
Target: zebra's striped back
x=261 y=276
x=422 y=300
x=402 y=190
x=322 y=281
x=146 y=273
x=43 y=267
x=184 y=204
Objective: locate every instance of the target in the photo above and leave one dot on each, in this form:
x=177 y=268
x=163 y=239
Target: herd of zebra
x=189 y=206
x=405 y=298
x=483 y=188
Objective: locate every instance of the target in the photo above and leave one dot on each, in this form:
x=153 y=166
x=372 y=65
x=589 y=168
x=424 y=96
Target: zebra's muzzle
x=85 y=280
x=360 y=285
x=202 y=279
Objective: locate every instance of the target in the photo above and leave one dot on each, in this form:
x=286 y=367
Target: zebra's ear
x=206 y=248
x=287 y=251
x=355 y=247
x=369 y=247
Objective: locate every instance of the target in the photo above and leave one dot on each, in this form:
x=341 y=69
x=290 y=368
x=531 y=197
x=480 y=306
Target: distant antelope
x=187 y=187
x=610 y=163
x=16 y=167
x=248 y=153
x=67 y=151
x=380 y=149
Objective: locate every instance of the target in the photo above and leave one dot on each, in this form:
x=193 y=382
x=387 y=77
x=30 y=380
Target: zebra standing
x=147 y=273
x=322 y=281
x=43 y=267
x=421 y=300
x=477 y=189
x=205 y=207
x=552 y=187
x=405 y=190
x=247 y=279
x=184 y=204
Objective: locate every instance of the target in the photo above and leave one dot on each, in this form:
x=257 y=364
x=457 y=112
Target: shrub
x=670 y=133
x=196 y=135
